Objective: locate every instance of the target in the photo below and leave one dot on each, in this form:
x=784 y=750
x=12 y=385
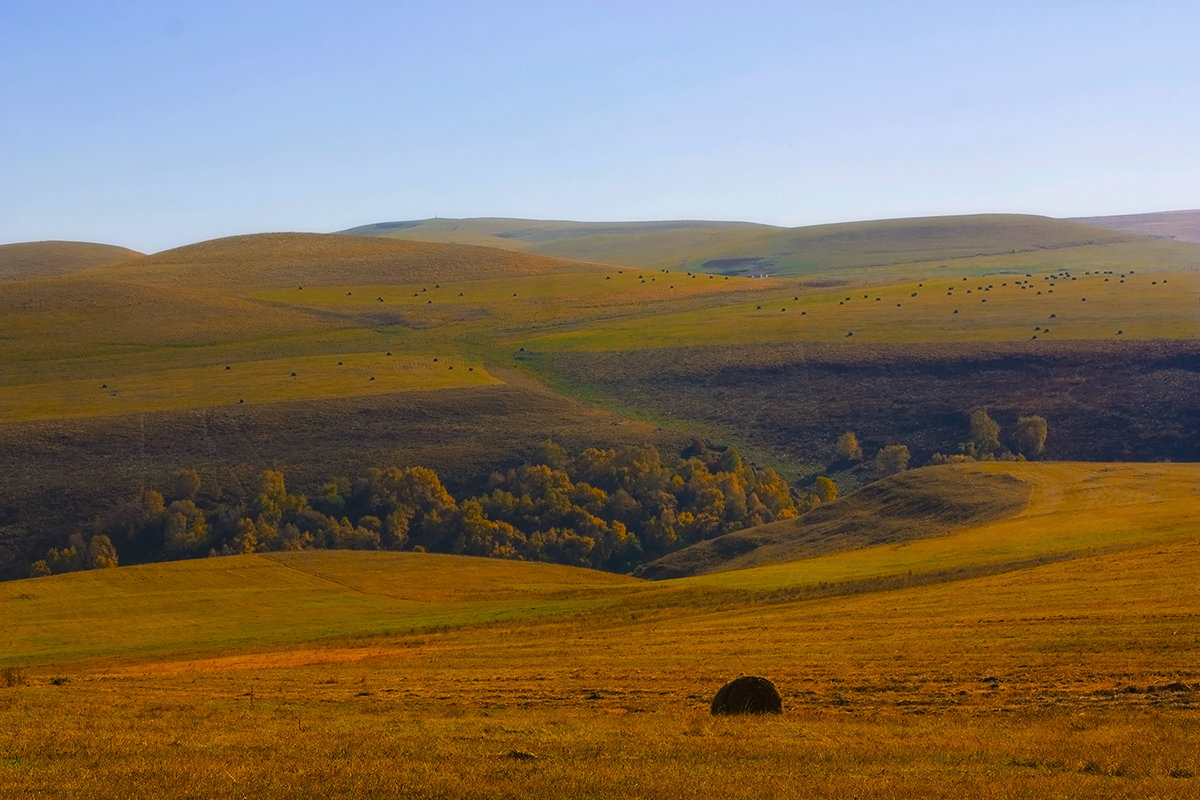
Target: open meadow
x=1049 y=652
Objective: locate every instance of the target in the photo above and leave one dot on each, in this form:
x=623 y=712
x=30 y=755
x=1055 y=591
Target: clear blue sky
x=156 y=124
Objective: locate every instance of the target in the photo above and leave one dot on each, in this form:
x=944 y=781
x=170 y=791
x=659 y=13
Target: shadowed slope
x=29 y=260
x=63 y=471
x=952 y=522
x=912 y=505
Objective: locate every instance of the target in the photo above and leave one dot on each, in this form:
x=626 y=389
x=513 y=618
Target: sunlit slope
x=167 y=331
x=262 y=600
x=1075 y=512
x=272 y=305
x=1008 y=306
x=276 y=260
x=28 y=260
x=745 y=248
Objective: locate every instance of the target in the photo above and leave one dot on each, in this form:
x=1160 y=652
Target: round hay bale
x=748 y=694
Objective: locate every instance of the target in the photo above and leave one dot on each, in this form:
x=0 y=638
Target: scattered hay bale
x=748 y=694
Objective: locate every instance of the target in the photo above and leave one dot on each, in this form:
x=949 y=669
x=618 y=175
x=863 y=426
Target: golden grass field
x=1048 y=654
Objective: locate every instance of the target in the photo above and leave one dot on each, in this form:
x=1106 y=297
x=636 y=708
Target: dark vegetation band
x=613 y=509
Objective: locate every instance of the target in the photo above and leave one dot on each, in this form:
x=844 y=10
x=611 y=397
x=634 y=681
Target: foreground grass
x=1072 y=678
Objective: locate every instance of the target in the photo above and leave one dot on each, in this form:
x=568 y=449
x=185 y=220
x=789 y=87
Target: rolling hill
x=934 y=501
x=277 y=260
x=29 y=260
x=736 y=248
x=1181 y=225
x=971 y=516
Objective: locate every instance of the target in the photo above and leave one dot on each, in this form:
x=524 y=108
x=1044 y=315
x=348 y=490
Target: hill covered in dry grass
x=29 y=260
x=738 y=248
x=934 y=501
x=278 y=260
x=1181 y=225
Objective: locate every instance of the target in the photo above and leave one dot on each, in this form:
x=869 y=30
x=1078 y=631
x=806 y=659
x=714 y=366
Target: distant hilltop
x=745 y=248
x=1181 y=225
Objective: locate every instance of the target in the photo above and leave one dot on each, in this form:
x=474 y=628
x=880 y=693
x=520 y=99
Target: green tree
x=187 y=532
x=985 y=433
x=245 y=540
x=1030 y=435
x=847 y=447
x=63 y=559
x=825 y=489
x=892 y=459
x=101 y=554
x=552 y=454
x=185 y=485
x=39 y=569
x=774 y=493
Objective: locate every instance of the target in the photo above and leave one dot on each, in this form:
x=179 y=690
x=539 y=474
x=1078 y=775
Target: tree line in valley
x=610 y=509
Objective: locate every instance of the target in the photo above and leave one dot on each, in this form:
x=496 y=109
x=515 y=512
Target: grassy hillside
x=1072 y=510
x=1181 y=225
x=920 y=504
x=1049 y=653
x=28 y=260
x=1003 y=307
x=531 y=235
x=63 y=473
x=788 y=403
x=277 y=260
x=734 y=248
x=281 y=598
x=261 y=350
